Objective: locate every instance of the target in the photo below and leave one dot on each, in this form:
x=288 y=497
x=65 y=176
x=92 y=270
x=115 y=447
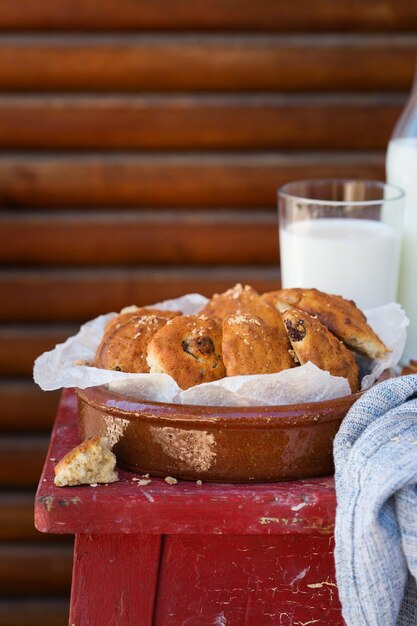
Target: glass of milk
x=343 y=237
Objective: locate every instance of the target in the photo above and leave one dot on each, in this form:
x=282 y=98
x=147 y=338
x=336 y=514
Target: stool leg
x=114 y=580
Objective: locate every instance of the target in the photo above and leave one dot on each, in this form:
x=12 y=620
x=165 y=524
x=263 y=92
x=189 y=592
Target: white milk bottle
x=402 y=171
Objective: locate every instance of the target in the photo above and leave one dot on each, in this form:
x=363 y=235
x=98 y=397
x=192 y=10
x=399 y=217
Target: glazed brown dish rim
x=288 y=414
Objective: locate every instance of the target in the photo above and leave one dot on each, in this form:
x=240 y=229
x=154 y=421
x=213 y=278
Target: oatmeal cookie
x=342 y=317
x=251 y=346
x=124 y=349
x=312 y=341
x=129 y=312
x=188 y=348
x=241 y=301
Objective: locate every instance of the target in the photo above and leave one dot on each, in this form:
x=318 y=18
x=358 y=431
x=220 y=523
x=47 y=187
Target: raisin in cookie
x=312 y=341
x=340 y=316
x=188 y=348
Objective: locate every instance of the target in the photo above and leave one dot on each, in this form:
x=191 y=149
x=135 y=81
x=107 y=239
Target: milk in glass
x=338 y=255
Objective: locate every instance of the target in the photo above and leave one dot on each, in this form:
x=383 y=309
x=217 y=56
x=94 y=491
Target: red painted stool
x=190 y=555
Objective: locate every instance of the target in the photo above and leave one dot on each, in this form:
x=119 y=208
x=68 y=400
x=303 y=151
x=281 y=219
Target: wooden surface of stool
x=192 y=555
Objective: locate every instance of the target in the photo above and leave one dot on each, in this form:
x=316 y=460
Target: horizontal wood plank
x=25 y=408
x=268 y=15
x=21 y=460
x=16 y=517
x=28 y=612
x=80 y=295
x=205 y=238
x=19 y=347
x=169 y=180
x=207 y=62
x=199 y=122
x=35 y=569
x=16 y=520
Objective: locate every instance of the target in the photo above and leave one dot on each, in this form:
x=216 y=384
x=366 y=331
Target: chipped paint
x=320 y=585
x=220 y=620
x=64 y=502
x=115 y=427
x=297 y=507
x=48 y=502
x=193 y=447
x=299 y=576
x=310 y=523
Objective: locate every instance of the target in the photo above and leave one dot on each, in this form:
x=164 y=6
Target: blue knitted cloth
x=375 y=455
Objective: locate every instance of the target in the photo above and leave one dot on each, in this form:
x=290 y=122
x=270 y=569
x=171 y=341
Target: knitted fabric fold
x=375 y=454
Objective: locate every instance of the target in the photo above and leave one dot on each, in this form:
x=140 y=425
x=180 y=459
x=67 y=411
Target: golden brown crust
x=82 y=448
x=241 y=301
x=250 y=346
x=188 y=348
x=125 y=348
x=341 y=316
x=312 y=341
x=127 y=314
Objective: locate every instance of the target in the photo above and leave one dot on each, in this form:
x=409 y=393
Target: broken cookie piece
x=89 y=463
x=342 y=317
x=312 y=341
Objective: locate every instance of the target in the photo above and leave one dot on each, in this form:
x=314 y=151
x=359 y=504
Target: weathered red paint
x=247 y=580
x=114 y=579
x=189 y=555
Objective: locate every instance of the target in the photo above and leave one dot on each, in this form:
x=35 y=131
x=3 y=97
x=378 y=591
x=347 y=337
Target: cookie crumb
x=142 y=482
x=170 y=480
x=145 y=475
x=83 y=362
x=52 y=459
x=293 y=356
x=94 y=485
x=199 y=482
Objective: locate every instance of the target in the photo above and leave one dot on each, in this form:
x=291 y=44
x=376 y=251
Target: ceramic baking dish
x=210 y=443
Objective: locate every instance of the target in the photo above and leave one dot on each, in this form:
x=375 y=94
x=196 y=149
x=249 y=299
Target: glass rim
x=284 y=193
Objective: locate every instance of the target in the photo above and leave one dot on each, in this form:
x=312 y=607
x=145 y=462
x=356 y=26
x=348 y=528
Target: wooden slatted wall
x=141 y=144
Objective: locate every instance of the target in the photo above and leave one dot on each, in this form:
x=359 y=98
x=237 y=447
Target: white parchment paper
x=60 y=368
